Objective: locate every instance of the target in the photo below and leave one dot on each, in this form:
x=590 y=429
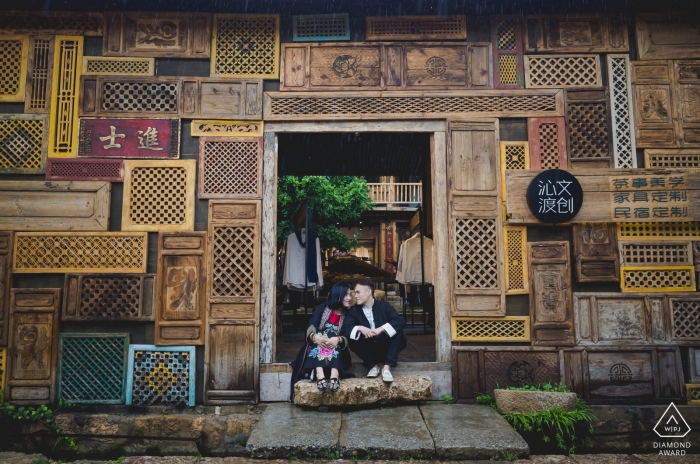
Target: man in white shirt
x=375 y=331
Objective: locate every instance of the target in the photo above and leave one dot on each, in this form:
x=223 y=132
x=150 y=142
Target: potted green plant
x=532 y=399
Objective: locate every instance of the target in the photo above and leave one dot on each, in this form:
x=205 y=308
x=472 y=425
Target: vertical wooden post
x=269 y=250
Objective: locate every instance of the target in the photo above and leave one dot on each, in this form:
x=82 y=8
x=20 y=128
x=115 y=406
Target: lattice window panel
x=55 y=252
x=319 y=28
x=619 y=82
x=416 y=28
x=54 y=22
x=13 y=67
x=515 y=155
x=233 y=261
x=653 y=230
x=23 y=141
x=587 y=124
x=476 y=254
x=657 y=279
x=640 y=254
x=230 y=168
x=92 y=368
x=506 y=35
x=105 y=297
x=547 y=140
x=686 y=319
x=246 y=46
x=158 y=196
x=80 y=169
x=506 y=329
x=516 y=260
x=38 y=91
x=652 y=159
x=158 y=97
x=281 y=107
x=561 y=71
x=692 y=393
x=67 y=65
x=159 y=375
x=508 y=69
x=118 y=66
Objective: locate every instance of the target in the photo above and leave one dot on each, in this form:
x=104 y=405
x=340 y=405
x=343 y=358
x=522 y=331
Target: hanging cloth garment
x=294 y=261
x=362 y=252
x=408 y=270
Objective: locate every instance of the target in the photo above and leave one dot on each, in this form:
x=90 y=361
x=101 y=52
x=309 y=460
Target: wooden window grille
x=502 y=329
x=516 y=260
x=108 y=297
x=562 y=71
x=416 y=28
x=151 y=97
x=92 y=368
x=216 y=128
x=37 y=98
x=158 y=196
x=653 y=230
x=321 y=28
x=53 y=22
x=657 y=279
x=547 y=140
x=686 y=318
x=246 y=46
x=159 y=375
x=514 y=155
x=57 y=252
x=23 y=143
x=233 y=261
x=118 y=66
x=587 y=126
x=671 y=158
x=13 y=67
x=230 y=167
x=619 y=83
x=506 y=35
x=81 y=169
x=476 y=254
x=63 y=135
x=649 y=254
x=692 y=393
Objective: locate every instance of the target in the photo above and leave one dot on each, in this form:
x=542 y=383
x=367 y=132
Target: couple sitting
x=372 y=329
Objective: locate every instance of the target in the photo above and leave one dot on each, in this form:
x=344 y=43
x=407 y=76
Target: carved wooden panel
x=694 y=358
x=516 y=260
x=562 y=71
x=65 y=95
x=671 y=158
x=23 y=143
x=129 y=138
x=57 y=252
x=38 y=205
x=158 y=196
x=657 y=278
x=653 y=253
x=652 y=230
x=191 y=97
x=576 y=33
x=32 y=351
x=14 y=50
x=160 y=375
x=507 y=42
x=416 y=28
x=246 y=45
x=37 y=96
x=625 y=375
x=550 y=293
x=595 y=252
x=320 y=27
x=230 y=167
x=502 y=329
x=233 y=293
x=6 y=241
x=181 y=283
x=477 y=370
x=109 y=297
x=157 y=34
x=385 y=66
x=60 y=169
x=51 y=22
x=223 y=128
x=620 y=85
x=285 y=106
x=118 y=66
x=589 y=139
x=687 y=75
x=666 y=35
x=547 y=140
x=654 y=90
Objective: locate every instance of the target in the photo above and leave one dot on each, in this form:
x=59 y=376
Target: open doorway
x=396 y=168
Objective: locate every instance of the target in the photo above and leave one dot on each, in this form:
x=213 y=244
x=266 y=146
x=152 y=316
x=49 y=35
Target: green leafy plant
x=447 y=399
x=119 y=460
x=505 y=456
x=332 y=454
x=293 y=457
x=545 y=387
x=41 y=460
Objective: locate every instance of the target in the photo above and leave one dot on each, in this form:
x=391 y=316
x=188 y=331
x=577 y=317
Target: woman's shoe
x=321 y=384
x=335 y=384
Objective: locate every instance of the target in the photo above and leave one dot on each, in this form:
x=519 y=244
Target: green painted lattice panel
x=92 y=368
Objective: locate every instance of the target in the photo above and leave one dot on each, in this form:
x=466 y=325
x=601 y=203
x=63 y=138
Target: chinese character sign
x=554 y=196
x=129 y=138
x=656 y=197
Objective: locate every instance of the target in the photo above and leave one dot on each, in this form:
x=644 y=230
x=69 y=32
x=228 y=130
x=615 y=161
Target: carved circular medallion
x=435 y=66
x=620 y=374
x=521 y=372
x=345 y=66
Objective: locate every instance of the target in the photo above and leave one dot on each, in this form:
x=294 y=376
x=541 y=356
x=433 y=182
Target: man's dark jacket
x=383 y=312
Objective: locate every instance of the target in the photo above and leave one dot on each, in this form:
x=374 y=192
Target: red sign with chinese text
x=129 y=138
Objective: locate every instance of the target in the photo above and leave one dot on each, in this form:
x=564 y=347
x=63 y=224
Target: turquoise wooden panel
x=160 y=375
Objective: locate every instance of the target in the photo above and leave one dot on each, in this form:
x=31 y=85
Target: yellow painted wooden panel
x=482 y=329
x=514 y=155
x=515 y=239
x=222 y=128
x=657 y=278
x=246 y=45
x=14 y=50
x=67 y=66
x=116 y=66
x=658 y=231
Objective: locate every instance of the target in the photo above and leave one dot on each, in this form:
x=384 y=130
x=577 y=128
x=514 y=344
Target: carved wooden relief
x=37 y=205
x=157 y=34
x=516 y=260
x=630 y=375
x=181 y=283
x=654 y=89
x=562 y=71
x=385 y=66
x=595 y=252
x=37 y=97
x=687 y=75
x=502 y=329
x=13 y=71
x=233 y=293
x=70 y=169
x=6 y=242
x=230 y=167
x=109 y=297
x=666 y=36
x=246 y=45
x=24 y=142
x=588 y=135
x=696 y=255
x=576 y=34
x=620 y=85
x=33 y=340
x=96 y=65
x=321 y=27
x=129 y=138
x=550 y=293
x=547 y=139
x=507 y=43
x=223 y=128
x=67 y=66
x=416 y=28
x=193 y=97
x=51 y=22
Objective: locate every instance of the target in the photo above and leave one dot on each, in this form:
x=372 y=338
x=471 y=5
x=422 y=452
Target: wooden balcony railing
x=401 y=193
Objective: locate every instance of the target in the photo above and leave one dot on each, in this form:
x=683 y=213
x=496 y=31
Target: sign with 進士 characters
x=617 y=195
x=129 y=138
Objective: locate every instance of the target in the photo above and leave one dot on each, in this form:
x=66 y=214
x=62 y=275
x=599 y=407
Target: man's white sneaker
x=373 y=373
x=386 y=376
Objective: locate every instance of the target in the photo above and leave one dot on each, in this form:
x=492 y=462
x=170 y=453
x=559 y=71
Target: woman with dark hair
x=325 y=350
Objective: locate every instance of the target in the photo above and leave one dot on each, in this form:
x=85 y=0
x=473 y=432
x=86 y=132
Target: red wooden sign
x=129 y=138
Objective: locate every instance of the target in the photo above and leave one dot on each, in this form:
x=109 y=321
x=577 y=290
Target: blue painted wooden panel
x=160 y=375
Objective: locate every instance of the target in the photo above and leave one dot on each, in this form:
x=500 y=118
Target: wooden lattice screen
x=671 y=158
x=657 y=278
x=505 y=329
x=23 y=143
x=246 y=45
x=416 y=28
x=321 y=27
x=516 y=260
x=620 y=85
x=37 y=97
x=692 y=393
x=13 y=67
x=647 y=253
x=514 y=155
x=589 y=141
x=685 y=314
x=109 y=297
x=547 y=140
x=67 y=65
x=51 y=22
x=6 y=243
x=230 y=167
x=107 y=170
x=160 y=375
x=562 y=71
x=118 y=66
x=507 y=41
x=653 y=230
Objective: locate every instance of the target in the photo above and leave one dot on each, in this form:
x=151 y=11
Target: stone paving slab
x=463 y=431
x=387 y=433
